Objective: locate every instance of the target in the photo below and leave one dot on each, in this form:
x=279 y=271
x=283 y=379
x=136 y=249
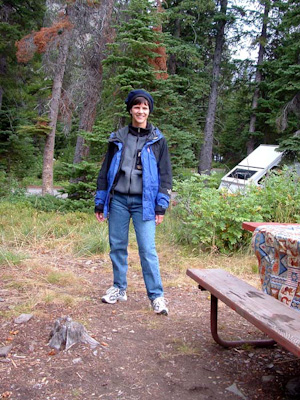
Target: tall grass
x=10 y=258
x=76 y=232
x=41 y=256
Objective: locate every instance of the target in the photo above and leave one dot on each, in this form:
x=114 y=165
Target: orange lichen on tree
x=25 y=48
x=159 y=63
x=39 y=41
x=46 y=35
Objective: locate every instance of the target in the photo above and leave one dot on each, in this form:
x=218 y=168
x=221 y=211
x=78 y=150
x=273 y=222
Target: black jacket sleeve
x=165 y=172
x=102 y=178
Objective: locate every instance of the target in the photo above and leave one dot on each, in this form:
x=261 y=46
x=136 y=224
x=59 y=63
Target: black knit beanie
x=139 y=93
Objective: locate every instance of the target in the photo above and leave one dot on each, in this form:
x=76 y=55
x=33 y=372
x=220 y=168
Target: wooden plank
x=251 y=226
x=272 y=317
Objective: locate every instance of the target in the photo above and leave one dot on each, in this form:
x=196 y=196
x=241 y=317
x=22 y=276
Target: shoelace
x=112 y=289
x=159 y=302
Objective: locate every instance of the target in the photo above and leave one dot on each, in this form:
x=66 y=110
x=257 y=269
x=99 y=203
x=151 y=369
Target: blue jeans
x=122 y=208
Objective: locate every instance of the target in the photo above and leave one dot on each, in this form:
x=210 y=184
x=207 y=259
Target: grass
x=40 y=252
x=183 y=348
x=10 y=258
x=78 y=233
x=174 y=261
x=180 y=348
x=61 y=278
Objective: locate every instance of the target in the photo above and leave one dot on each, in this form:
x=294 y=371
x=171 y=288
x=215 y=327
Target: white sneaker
x=114 y=294
x=159 y=306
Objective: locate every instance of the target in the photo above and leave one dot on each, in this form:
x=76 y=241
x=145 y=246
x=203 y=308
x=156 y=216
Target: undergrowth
x=22 y=226
x=211 y=219
x=42 y=253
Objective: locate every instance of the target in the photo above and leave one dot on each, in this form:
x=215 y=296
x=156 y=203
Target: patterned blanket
x=277 y=248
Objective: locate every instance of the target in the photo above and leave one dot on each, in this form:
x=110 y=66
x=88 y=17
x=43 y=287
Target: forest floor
x=140 y=355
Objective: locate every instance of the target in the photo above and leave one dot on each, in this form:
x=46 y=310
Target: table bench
x=279 y=322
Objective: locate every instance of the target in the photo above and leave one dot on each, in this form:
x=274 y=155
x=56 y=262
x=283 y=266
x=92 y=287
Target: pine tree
x=18 y=85
x=278 y=110
x=73 y=47
x=177 y=93
x=92 y=56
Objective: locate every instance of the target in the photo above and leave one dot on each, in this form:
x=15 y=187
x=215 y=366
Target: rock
x=5 y=350
x=293 y=387
x=234 y=389
x=77 y=360
x=1 y=300
x=32 y=346
x=268 y=378
x=23 y=318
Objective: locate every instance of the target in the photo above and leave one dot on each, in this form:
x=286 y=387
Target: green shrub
x=4 y=184
x=52 y=203
x=212 y=219
x=49 y=203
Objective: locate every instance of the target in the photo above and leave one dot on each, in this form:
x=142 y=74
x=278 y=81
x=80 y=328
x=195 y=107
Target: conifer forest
x=224 y=75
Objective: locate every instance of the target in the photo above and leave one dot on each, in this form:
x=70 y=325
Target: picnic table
x=277 y=248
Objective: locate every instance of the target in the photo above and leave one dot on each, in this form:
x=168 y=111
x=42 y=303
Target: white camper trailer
x=252 y=169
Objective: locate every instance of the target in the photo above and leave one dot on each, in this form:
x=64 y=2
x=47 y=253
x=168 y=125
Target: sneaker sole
x=112 y=302
x=108 y=302
x=163 y=312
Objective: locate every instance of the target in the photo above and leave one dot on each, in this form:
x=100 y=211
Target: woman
x=135 y=182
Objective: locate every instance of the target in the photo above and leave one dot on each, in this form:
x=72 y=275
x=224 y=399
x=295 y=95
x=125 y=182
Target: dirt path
x=141 y=355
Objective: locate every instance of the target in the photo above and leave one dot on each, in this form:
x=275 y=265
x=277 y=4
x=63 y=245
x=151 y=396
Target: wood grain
x=272 y=317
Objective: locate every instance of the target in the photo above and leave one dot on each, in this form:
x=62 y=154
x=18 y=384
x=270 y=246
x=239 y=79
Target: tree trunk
x=86 y=122
x=207 y=147
x=1 y=97
x=53 y=114
x=258 y=78
x=172 y=62
x=3 y=69
x=66 y=333
x=94 y=83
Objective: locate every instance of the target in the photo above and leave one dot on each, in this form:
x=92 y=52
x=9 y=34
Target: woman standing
x=135 y=182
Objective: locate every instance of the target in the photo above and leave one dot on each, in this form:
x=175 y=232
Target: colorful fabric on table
x=277 y=248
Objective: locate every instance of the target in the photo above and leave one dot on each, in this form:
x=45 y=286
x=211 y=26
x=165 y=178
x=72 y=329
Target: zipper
x=119 y=167
x=134 y=159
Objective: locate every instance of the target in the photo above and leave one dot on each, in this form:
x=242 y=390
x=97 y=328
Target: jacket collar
x=140 y=131
x=120 y=135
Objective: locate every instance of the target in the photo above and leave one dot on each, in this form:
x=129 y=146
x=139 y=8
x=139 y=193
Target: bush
x=212 y=219
x=4 y=184
x=52 y=203
x=49 y=203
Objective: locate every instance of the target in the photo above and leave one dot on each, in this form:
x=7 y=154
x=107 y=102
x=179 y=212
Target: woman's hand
x=159 y=219
x=99 y=216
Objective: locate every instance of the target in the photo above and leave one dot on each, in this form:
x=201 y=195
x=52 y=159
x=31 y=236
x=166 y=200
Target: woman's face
x=140 y=114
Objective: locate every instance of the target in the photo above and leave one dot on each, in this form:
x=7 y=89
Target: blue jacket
x=157 y=174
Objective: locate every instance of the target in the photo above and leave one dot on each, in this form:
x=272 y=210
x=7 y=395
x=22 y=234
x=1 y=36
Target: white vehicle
x=252 y=169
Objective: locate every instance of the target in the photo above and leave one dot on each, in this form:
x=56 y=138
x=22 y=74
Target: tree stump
x=66 y=333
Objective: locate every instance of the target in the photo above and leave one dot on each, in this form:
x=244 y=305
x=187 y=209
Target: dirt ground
x=140 y=355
